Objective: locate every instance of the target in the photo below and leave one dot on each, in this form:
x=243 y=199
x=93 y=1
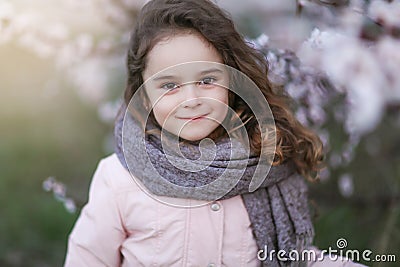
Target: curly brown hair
x=159 y=19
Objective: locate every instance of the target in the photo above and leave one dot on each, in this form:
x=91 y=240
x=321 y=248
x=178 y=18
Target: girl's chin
x=194 y=138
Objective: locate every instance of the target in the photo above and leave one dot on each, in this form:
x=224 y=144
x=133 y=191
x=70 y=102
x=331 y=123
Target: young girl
x=191 y=78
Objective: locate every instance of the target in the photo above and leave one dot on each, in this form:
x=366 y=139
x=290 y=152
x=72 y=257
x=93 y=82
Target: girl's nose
x=191 y=98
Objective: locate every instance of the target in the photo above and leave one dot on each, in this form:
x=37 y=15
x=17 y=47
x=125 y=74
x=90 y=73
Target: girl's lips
x=195 y=118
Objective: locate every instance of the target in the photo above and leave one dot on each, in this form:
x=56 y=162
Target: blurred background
x=62 y=75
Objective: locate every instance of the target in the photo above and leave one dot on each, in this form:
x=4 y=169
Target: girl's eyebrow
x=165 y=77
x=204 y=72
x=213 y=70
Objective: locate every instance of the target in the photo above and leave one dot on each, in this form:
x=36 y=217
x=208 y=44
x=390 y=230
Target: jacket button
x=215 y=207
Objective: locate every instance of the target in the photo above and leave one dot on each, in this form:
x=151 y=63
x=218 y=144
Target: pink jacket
x=122 y=226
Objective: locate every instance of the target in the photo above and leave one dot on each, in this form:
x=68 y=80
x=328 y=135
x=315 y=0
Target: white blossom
x=301 y=116
x=351 y=65
x=84 y=44
x=388 y=53
x=262 y=40
x=310 y=51
x=296 y=91
x=352 y=20
x=346 y=185
x=134 y=4
x=108 y=111
x=6 y=15
x=317 y=114
x=69 y=205
x=115 y=13
x=335 y=160
x=59 y=190
x=48 y=184
x=366 y=107
x=91 y=79
x=6 y=10
x=324 y=174
x=385 y=12
x=348 y=153
x=357 y=6
x=66 y=56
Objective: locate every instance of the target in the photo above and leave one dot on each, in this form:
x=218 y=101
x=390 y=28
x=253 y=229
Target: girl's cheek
x=222 y=96
x=158 y=114
x=163 y=110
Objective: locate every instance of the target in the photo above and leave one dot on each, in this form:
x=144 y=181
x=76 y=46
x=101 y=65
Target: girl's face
x=188 y=100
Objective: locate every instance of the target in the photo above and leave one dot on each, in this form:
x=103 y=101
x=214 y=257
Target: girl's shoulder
x=115 y=175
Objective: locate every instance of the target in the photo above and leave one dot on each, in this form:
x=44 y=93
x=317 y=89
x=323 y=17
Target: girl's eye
x=170 y=86
x=207 y=81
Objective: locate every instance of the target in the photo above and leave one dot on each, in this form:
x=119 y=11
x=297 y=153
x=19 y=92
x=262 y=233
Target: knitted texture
x=278 y=209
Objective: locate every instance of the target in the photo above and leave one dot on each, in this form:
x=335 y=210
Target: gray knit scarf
x=278 y=209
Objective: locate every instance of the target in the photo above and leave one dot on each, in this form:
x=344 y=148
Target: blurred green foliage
x=44 y=132
x=369 y=218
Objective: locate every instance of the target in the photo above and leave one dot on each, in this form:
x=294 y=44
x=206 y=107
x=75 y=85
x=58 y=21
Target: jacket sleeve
x=98 y=233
